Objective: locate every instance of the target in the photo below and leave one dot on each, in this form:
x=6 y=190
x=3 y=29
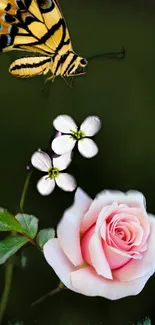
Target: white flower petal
x=87 y=148
x=91 y=125
x=63 y=161
x=63 y=144
x=41 y=161
x=64 y=124
x=45 y=185
x=66 y=182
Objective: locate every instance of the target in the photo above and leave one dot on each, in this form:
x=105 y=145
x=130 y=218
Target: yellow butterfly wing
x=14 y=33
x=33 y=25
x=57 y=28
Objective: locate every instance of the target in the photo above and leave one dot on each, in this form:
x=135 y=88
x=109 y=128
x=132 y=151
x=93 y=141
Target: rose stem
x=7 y=288
x=49 y=294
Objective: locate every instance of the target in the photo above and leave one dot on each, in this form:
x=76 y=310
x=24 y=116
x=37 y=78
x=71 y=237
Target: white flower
x=52 y=167
x=65 y=143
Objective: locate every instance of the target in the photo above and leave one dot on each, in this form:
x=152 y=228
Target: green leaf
x=44 y=235
x=29 y=224
x=10 y=246
x=8 y=222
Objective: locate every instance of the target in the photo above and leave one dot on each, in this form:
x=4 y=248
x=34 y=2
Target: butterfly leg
x=77 y=74
x=70 y=85
x=52 y=77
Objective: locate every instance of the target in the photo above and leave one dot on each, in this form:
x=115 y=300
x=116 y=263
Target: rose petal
x=117 y=242
x=64 y=124
x=62 y=162
x=88 y=283
x=143 y=248
x=131 y=198
x=137 y=232
x=144 y=221
x=126 y=229
x=69 y=227
x=63 y=144
x=41 y=161
x=115 y=260
x=105 y=198
x=132 y=254
x=93 y=215
x=98 y=257
x=103 y=230
x=87 y=148
x=142 y=216
x=91 y=125
x=85 y=244
x=45 y=185
x=105 y=213
x=58 y=261
x=138 y=268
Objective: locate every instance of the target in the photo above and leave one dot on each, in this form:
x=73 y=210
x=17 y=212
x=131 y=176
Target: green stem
x=21 y=204
x=49 y=294
x=32 y=242
x=9 y=266
x=6 y=291
x=24 y=192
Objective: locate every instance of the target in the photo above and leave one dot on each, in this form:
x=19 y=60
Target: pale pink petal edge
x=106 y=198
x=98 y=257
x=68 y=230
x=59 y=262
x=88 y=283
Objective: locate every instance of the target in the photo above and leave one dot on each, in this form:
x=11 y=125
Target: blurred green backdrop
x=122 y=94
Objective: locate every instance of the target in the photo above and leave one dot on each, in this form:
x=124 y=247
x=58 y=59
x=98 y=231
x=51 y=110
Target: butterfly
x=38 y=26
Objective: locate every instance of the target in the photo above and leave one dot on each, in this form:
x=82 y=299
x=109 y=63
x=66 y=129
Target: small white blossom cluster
x=67 y=136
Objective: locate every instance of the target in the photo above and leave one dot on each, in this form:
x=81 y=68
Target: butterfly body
x=65 y=65
x=38 y=26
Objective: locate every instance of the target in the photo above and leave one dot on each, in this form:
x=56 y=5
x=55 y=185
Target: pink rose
x=105 y=247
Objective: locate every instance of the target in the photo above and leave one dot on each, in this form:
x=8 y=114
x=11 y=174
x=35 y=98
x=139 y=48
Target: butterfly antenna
x=109 y=55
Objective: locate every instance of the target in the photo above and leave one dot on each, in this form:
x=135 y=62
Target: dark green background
x=122 y=93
